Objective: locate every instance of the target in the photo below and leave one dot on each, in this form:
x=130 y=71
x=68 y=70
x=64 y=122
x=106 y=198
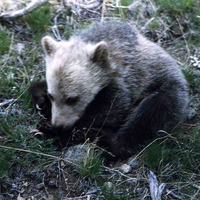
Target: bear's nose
x=61 y=128
x=57 y=128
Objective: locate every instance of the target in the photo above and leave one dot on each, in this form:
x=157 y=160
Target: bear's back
x=112 y=33
x=138 y=61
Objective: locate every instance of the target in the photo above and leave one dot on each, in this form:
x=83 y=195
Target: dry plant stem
x=7 y=102
x=55 y=27
x=169 y=192
x=37 y=153
x=122 y=174
x=93 y=4
x=18 y=13
x=196 y=186
x=155 y=189
x=186 y=44
x=103 y=10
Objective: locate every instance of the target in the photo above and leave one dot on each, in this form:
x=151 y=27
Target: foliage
x=6 y=160
x=14 y=75
x=5 y=41
x=90 y=165
x=38 y=21
x=193 y=77
x=154 y=25
x=183 y=153
x=176 y=6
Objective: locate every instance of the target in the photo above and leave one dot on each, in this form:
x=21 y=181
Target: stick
x=155 y=189
x=83 y=4
x=6 y=102
x=18 y=13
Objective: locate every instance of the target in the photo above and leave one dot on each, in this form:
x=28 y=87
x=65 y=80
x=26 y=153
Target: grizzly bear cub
x=111 y=83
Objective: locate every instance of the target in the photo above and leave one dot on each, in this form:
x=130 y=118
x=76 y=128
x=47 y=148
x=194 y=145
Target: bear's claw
x=37 y=134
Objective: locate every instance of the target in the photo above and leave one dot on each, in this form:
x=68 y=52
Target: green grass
x=16 y=72
x=192 y=76
x=17 y=118
x=6 y=161
x=5 y=41
x=14 y=127
x=180 y=152
x=91 y=164
x=38 y=21
x=154 y=24
x=176 y=6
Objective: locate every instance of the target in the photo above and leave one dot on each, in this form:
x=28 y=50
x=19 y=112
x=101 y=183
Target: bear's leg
x=162 y=110
x=38 y=91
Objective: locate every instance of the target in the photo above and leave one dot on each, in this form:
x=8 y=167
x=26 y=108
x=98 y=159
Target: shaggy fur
x=113 y=81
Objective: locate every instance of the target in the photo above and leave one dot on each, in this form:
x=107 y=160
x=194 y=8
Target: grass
x=176 y=6
x=183 y=153
x=5 y=41
x=6 y=160
x=91 y=164
x=17 y=118
x=192 y=75
x=154 y=25
x=38 y=21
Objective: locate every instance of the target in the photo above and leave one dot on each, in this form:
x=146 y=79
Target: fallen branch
x=18 y=13
x=6 y=102
x=155 y=189
x=83 y=4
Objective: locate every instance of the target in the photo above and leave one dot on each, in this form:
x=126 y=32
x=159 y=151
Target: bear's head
x=75 y=73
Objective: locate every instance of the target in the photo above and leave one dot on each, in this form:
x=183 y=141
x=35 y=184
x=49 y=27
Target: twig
x=186 y=44
x=122 y=174
x=103 y=10
x=6 y=102
x=196 y=186
x=169 y=192
x=55 y=27
x=88 y=197
x=38 y=153
x=155 y=189
x=18 y=13
x=82 y=4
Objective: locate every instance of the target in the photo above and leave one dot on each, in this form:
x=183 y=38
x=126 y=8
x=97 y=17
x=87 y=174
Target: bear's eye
x=71 y=100
x=50 y=97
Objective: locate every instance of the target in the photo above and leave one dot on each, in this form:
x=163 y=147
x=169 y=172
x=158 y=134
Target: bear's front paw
x=38 y=91
x=38 y=134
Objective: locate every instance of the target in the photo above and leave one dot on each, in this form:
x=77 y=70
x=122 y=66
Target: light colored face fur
x=75 y=73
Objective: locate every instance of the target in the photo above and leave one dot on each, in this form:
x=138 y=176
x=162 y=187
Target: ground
x=34 y=169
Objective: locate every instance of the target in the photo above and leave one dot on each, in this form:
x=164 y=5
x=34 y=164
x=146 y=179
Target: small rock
x=76 y=153
x=14 y=186
x=125 y=168
x=108 y=185
x=134 y=164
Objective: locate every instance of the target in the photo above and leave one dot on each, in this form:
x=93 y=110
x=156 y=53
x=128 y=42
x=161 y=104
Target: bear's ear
x=49 y=45
x=100 y=53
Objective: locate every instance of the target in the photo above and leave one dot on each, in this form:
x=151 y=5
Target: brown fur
x=112 y=78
